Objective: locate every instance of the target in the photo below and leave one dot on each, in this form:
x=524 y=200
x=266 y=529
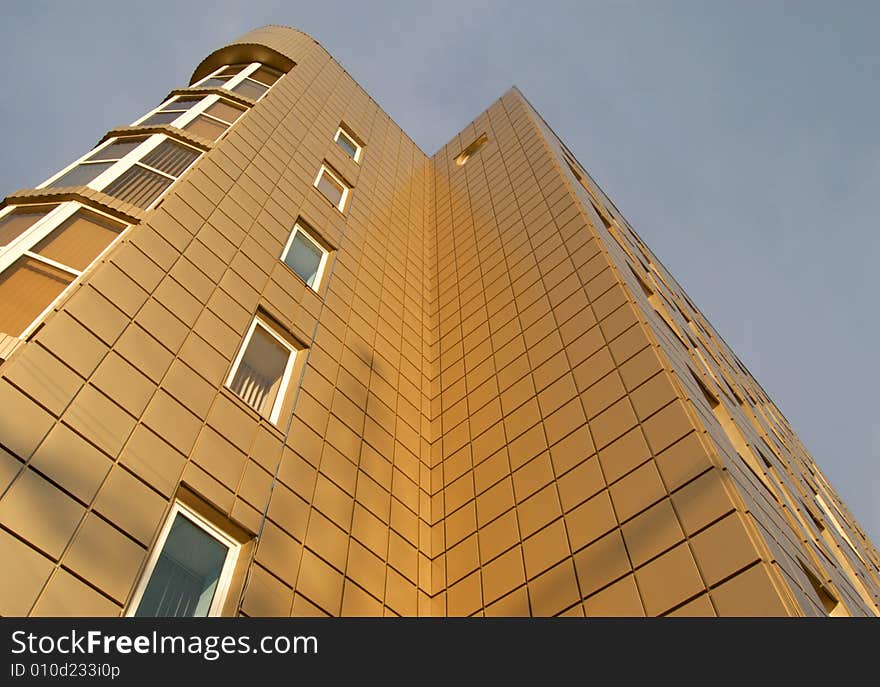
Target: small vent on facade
x=471 y=150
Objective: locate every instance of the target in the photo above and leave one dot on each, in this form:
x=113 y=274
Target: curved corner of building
x=280 y=47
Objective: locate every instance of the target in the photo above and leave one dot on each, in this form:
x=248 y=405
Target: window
x=209 y=116
x=15 y=223
x=468 y=152
x=49 y=247
x=334 y=189
x=136 y=170
x=98 y=162
x=262 y=369
x=346 y=141
x=250 y=80
x=305 y=256
x=189 y=571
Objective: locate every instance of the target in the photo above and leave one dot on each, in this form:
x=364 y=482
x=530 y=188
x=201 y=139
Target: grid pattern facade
x=499 y=402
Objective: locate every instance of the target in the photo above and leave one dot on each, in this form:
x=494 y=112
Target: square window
x=333 y=188
x=262 y=369
x=346 y=141
x=189 y=571
x=305 y=256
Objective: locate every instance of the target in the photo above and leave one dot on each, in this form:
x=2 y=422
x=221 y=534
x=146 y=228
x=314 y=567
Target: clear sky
x=740 y=139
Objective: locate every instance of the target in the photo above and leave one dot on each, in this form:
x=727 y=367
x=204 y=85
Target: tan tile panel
x=40 y=513
x=67 y=596
x=72 y=462
x=23 y=581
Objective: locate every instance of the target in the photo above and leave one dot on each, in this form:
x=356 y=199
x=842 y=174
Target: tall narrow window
x=49 y=254
x=262 y=370
x=334 y=189
x=346 y=141
x=305 y=256
x=189 y=571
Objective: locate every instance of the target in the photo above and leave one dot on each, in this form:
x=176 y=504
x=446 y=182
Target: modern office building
x=261 y=355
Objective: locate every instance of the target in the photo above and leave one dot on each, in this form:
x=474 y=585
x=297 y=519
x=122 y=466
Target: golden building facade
x=261 y=355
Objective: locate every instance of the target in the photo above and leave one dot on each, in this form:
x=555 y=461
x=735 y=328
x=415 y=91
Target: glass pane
x=81 y=174
x=225 y=111
x=304 y=257
x=266 y=75
x=183 y=103
x=138 y=186
x=165 y=117
x=233 y=69
x=18 y=221
x=331 y=188
x=79 y=240
x=213 y=83
x=185 y=577
x=251 y=89
x=170 y=157
x=260 y=371
x=27 y=288
x=347 y=144
x=118 y=149
x=207 y=127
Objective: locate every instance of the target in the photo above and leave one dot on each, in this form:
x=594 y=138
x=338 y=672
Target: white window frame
x=233 y=81
x=21 y=246
x=286 y=375
x=358 y=148
x=299 y=228
x=123 y=164
x=345 y=187
x=197 y=109
x=234 y=548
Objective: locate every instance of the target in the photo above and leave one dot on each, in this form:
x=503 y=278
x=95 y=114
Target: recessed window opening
x=333 y=187
x=836 y=524
x=189 y=572
x=305 y=255
x=471 y=150
x=346 y=140
x=832 y=607
x=735 y=436
x=262 y=369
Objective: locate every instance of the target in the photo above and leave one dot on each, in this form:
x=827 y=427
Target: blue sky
x=740 y=139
